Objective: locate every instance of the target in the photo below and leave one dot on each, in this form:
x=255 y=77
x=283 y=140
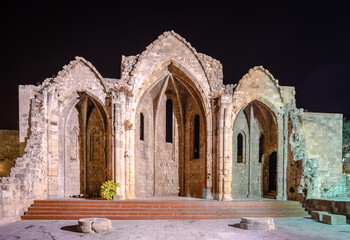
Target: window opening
x=261 y=147
x=142 y=136
x=239 y=148
x=169 y=121
x=196 y=137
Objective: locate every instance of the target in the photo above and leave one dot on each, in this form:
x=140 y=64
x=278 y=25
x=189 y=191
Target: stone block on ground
x=263 y=223
x=334 y=219
x=101 y=225
x=94 y=225
x=318 y=215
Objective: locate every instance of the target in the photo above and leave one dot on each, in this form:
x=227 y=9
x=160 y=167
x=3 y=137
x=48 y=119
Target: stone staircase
x=161 y=210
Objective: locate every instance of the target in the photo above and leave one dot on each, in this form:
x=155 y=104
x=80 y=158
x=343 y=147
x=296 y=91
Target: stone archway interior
x=166 y=164
x=256 y=124
x=85 y=148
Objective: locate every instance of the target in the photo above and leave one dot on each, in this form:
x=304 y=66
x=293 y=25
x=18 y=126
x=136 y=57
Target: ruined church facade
x=170 y=127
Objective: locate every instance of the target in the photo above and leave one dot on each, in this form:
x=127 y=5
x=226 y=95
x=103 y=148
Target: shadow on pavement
x=236 y=225
x=71 y=228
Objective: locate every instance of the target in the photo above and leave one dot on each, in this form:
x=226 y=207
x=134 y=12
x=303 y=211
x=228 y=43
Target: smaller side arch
x=275 y=110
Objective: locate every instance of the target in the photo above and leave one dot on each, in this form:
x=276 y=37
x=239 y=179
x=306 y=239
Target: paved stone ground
x=286 y=228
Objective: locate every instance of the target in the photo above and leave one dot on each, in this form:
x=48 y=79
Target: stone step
x=221 y=213
x=163 y=204
x=235 y=209
x=126 y=202
x=152 y=210
x=142 y=217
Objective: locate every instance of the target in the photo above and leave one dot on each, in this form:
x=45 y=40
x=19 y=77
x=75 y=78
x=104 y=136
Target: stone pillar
x=215 y=146
x=129 y=156
x=220 y=156
x=251 y=152
x=280 y=157
x=285 y=157
x=227 y=156
x=119 y=142
x=209 y=159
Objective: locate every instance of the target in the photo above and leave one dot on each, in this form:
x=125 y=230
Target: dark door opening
x=272 y=171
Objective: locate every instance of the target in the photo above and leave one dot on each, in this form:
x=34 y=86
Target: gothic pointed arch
x=259 y=123
x=184 y=173
x=208 y=71
x=74 y=69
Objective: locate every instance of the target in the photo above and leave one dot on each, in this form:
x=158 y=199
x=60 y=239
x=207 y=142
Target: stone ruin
x=169 y=127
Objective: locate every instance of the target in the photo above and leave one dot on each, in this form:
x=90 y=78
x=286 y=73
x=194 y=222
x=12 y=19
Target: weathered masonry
x=170 y=127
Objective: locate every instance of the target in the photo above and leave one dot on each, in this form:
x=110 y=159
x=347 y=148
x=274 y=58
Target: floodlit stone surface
x=85 y=225
x=334 y=219
x=169 y=127
x=101 y=225
x=262 y=223
x=94 y=225
x=228 y=229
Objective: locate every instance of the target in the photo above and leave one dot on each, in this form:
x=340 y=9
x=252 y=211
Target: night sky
x=302 y=44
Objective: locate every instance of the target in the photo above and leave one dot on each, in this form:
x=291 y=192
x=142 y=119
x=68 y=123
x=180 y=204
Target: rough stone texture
x=334 y=219
x=85 y=225
x=9 y=151
x=318 y=215
x=94 y=225
x=101 y=225
x=265 y=224
x=79 y=129
x=323 y=144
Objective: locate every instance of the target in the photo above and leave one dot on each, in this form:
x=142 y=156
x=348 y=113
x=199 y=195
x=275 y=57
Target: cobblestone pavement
x=286 y=228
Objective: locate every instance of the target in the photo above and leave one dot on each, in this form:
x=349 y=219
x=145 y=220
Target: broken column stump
x=264 y=223
x=94 y=225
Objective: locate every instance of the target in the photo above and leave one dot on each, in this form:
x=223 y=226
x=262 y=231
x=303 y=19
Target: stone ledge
x=334 y=219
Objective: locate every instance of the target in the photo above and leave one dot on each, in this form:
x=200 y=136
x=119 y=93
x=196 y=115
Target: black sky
x=302 y=44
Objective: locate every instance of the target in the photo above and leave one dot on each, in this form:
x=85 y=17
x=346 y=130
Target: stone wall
x=27 y=180
x=240 y=169
x=195 y=167
x=25 y=95
x=166 y=159
x=9 y=150
x=73 y=166
x=323 y=137
x=144 y=153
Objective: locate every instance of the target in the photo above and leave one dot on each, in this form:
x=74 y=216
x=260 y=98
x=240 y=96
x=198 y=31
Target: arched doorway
x=85 y=146
x=170 y=160
x=254 y=152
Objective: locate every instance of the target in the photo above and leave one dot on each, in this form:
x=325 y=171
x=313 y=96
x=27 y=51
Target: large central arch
x=170 y=139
